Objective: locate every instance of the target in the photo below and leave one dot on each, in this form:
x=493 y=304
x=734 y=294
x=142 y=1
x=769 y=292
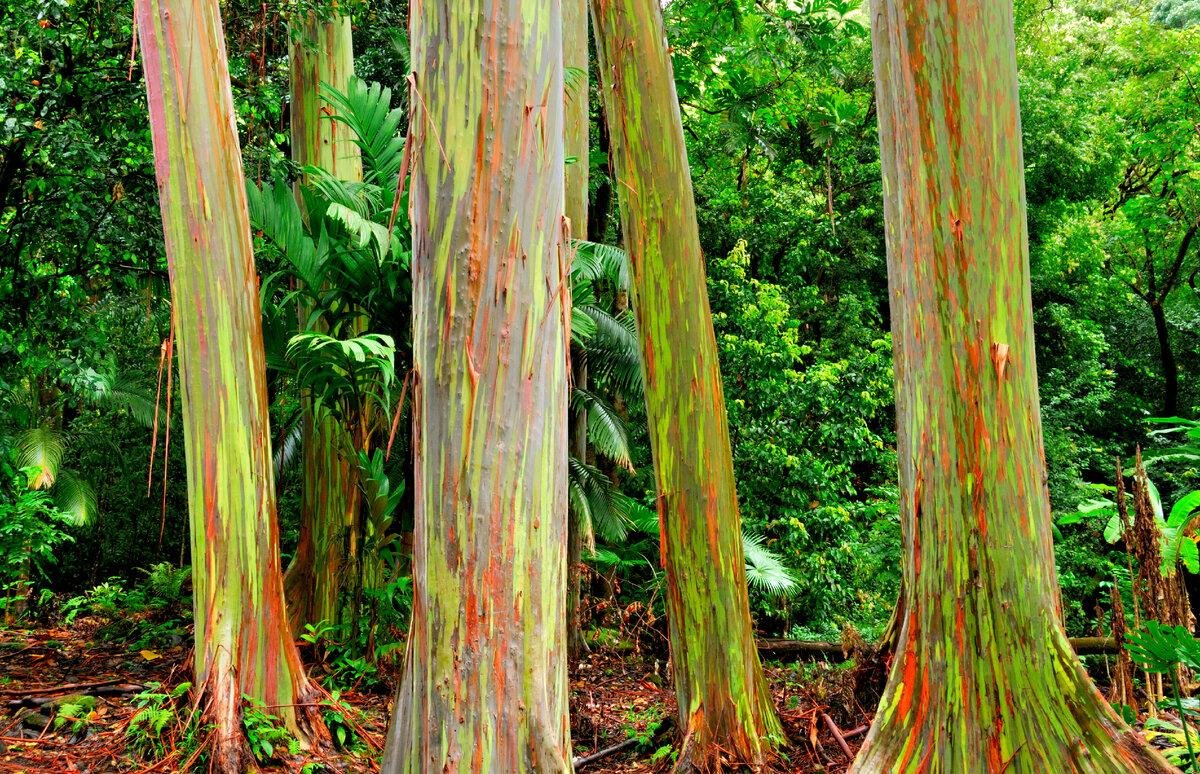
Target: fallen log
x=71 y=688
x=779 y=649
x=36 y=698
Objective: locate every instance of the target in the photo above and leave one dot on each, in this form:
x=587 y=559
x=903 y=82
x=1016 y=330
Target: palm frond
x=136 y=397
x=367 y=110
x=75 y=498
x=615 y=356
x=40 y=449
x=643 y=519
x=615 y=336
x=595 y=261
x=110 y=387
x=274 y=212
x=765 y=569
x=363 y=198
x=575 y=82
x=401 y=50
x=593 y=497
x=287 y=450
x=583 y=327
x=606 y=429
x=368 y=234
x=334 y=368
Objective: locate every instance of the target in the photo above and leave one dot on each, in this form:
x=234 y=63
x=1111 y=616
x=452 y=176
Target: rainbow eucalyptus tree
x=242 y=643
x=322 y=55
x=725 y=709
x=575 y=59
x=983 y=678
x=485 y=686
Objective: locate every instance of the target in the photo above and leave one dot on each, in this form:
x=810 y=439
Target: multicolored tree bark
x=322 y=53
x=243 y=647
x=485 y=687
x=984 y=678
x=725 y=710
x=575 y=55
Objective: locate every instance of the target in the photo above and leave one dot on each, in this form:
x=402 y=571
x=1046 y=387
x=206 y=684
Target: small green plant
x=344 y=657
x=338 y=716
x=644 y=725
x=77 y=711
x=164 y=586
x=664 y=752
x=157 y=712
x=266 y=733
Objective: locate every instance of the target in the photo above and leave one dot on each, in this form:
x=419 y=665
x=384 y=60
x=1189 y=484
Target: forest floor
x=618 y=695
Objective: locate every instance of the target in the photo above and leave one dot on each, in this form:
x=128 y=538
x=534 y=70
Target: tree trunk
x=576 y=529
x=322 y=52
x=243 y=647
x=984 y=677
x=329 y=495
x=575 y=54
x=1170 y=370
x=485 y=687
x=725 y=710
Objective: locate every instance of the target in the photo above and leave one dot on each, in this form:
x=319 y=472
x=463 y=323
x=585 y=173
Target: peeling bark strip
x=725 y=710
x=984 y=678
x=242 y=642
x=485 y=687
x=322 y=52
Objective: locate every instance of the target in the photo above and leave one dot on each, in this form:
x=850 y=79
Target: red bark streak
x=710 y=511
x=909 y=680
x=662 y=530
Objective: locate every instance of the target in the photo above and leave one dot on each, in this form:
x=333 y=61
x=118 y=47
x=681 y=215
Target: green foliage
x=153 y=613
x=805 y=429
x=765 y=570
x=32 y=531
x=157 y=714
x=644 y=725
x=1162 y=650
x=340 y=719
x=356 y=372
x=266 y=734
x=342 y=656
x=76 y=712
x=1176 y=14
